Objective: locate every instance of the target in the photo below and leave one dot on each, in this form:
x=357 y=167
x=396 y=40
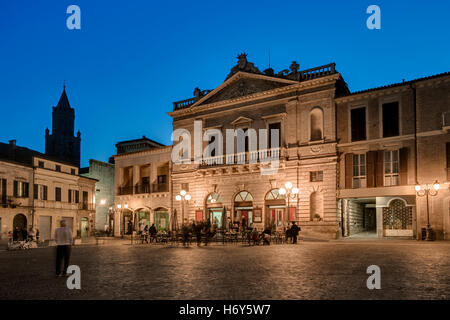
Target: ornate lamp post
x=290 y=193
x=183 y=196
x=428 y=190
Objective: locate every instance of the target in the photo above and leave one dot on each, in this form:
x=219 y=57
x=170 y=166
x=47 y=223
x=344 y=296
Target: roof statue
x=243 y=65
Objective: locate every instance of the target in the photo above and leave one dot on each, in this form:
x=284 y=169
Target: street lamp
x=183 y=196
x=428 y=190
x=289 y=192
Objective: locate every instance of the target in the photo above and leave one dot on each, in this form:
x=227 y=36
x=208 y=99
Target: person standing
x=294 y=232
x=10 y=237
x=153 y=232
x=37 y=235
x=63 y=238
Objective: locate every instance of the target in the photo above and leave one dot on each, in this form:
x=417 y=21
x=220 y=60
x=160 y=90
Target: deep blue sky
x=132 y=59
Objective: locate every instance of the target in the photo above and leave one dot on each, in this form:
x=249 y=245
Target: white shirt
x=63 y=236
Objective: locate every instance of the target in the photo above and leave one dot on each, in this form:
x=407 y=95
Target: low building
x=390 y=140
x=103 y=172
x=38 y=192
x=142 y=186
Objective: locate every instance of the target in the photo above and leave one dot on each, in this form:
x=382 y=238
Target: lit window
x=391 y=168
x=359 y=171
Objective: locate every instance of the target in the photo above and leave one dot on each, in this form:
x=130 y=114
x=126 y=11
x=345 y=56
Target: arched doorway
x=275 y=209
x=143 y=218
x=127 y=222
x=162 y=219
x=215 y=209
x=19 y=224
x=243 y=209
x=397 y=219
x=84 y=227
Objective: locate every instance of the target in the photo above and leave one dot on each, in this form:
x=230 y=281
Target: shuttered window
x=391 y=168
x=21 y=189
x=359 y=171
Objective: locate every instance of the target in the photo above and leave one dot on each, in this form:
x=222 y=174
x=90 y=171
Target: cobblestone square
x=309 y=270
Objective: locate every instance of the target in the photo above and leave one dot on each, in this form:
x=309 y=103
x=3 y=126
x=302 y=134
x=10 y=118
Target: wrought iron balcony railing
x=265 y=155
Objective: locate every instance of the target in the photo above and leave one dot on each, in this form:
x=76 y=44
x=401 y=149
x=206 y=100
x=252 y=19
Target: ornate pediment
x=242 y=87
x=241 y=120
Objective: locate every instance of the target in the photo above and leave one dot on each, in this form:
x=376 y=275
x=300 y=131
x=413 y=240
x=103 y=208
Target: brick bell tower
x=61 y=143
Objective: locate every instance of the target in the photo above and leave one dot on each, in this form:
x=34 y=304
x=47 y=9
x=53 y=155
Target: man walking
x=294 y=232
x=63 y=238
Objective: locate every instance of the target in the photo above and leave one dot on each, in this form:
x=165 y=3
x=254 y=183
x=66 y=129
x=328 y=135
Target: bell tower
x=61 y=143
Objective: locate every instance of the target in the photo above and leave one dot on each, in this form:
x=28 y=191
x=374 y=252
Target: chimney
x=12 y=149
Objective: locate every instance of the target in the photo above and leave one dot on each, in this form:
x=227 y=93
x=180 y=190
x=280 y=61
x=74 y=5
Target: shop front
x=243 y=210
x=215 y=210
x=162 y=219
x=275 y=205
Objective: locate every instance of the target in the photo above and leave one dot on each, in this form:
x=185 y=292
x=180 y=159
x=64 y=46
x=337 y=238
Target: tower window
x=58 y=168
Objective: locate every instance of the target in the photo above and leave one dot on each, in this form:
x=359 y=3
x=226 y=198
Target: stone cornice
x=197 y=107
x=395 y=88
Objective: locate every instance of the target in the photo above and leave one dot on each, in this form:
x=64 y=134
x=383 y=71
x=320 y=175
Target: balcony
x=265 y=155
x=143 y=188
x=160 y=187
x=446 y=121
x=183 y=104
x=86 y=206
x=125 y=190
x=317 y=72
x=8 y=201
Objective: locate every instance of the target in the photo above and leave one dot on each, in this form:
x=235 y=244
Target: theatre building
x=238 y=187
x=391 y=139
x=142 y=184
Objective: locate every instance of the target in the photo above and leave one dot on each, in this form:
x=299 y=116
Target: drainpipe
x=33 y=195
x=415 y=130
x=413 y=88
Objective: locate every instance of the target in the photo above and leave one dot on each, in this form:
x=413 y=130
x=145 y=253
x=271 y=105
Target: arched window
x=243 y=196
x=316 y=124
x=274 y=194
x=213 y=198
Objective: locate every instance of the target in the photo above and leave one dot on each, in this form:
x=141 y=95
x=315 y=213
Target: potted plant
x=317 y=218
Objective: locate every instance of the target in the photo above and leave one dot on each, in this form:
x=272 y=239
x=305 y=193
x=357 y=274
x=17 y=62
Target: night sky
x=132 y=59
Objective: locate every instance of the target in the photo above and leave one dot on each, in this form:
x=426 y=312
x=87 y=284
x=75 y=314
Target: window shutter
x=45 y=193
x=35 y=191
x=403 y=166
x=379 y=177
x=370 y=170
x=26 y=187
x=77 y=196
x=69 y=195
x=3 y=187
x=15 y=188
x=349 y=170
